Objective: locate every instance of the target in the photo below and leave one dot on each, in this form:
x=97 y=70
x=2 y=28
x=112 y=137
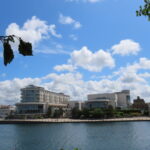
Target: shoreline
x=67 y=120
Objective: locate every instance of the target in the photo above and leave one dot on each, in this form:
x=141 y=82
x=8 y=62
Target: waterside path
x=66 y=120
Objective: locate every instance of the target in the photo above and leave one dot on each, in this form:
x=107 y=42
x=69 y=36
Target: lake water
x=85 y=136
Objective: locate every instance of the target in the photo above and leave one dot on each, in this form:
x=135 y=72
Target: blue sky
x=80 y=47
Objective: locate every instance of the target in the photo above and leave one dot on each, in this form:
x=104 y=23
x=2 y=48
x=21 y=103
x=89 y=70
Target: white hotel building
x=37 y=100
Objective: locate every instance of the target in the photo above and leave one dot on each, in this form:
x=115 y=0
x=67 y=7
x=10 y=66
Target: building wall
x=123 y=99
x=117 y=99
x=97 y=104
x=37 y=94
x=6 y=110
x=111 y=97
x=36 y=99
x=31 y=108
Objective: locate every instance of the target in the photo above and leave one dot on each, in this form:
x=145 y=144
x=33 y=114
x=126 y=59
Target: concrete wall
x=117 y=99
x=123 y=100
x=112 y=97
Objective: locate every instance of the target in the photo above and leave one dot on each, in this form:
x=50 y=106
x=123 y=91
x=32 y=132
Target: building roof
x=42 y=88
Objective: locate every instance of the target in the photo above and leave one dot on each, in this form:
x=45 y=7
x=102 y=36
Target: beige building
x=36 y=99
x=6 y=110
x=104 y=100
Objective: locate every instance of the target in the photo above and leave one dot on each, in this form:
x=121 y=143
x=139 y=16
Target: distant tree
x=75 y=113
x=144 y=10
x=97 y=113
x=58 y=113
x=49 y=112
x=85 y=113
x=25 y=48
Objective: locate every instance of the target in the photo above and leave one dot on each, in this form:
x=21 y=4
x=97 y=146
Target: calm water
x=85 y=136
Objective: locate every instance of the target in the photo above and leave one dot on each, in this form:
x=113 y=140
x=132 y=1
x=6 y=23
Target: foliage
x=25 y=48
x=58 y=113
x=85 y=113
x=144 y=10
x=99 y=113
x=75 y=113
x=49 y=112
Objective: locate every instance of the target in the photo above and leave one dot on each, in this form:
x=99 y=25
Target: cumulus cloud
x=126 y=47
x=86 y=59
x=10 y=89
x=33 y=30
x=142 y=64
x=145 y=75
x=64 y=67
x=68 y=20
x=73 y=83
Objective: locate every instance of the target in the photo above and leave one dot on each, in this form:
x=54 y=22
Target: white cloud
x=33 y=30
x=143 y=64
x=52 y=29
x=91 y=61
x=90 y=1
x=74 y=85
x=74 y=37
x=10 y=89
x=68 y=20
x=145 y=75
x=64 y=67
x=131 y=77
x=126 y=47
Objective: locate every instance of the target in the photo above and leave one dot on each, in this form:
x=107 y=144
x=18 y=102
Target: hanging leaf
x=10 y=38
x=25 y=48
x=7 y=53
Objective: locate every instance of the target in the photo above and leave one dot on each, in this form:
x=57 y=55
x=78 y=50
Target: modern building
x=76 y=104
x=123 y=99
x=139 y=104
x=37 y=100
x=105 y=100
x=6 y=110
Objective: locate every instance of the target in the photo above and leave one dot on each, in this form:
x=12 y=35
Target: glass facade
x=30 y=108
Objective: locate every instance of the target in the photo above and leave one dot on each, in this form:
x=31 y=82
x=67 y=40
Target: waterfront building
x=75 y=104
x=123 y=99
x=139 y=104
x=6 y=110
x=105 y=100
x=37 y=100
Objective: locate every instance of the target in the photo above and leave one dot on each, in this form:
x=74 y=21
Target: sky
x=80 y=47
